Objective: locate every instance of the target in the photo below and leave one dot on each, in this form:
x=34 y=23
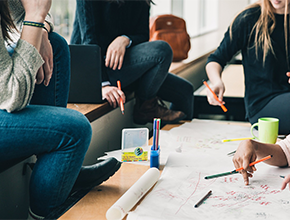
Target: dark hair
x=6 y=21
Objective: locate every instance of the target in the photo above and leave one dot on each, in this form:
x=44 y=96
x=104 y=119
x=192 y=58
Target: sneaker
x=155 y=108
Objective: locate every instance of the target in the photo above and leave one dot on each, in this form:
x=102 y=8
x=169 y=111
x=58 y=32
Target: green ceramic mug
x=267 y=130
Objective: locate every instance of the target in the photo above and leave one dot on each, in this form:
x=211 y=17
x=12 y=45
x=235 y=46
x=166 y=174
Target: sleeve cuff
x=285 y=145
x=129 y=40
x=106 y=83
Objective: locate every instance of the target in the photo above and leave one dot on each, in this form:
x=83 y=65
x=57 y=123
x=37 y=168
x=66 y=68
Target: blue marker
x=155 y=149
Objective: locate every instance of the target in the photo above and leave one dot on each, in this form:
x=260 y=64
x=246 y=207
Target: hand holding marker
x=237 y=170
x=121 y=100
x=215 y=96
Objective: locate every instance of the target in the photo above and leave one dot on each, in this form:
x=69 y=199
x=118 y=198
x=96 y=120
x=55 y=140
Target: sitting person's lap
x=278 y=107
x=145 y=69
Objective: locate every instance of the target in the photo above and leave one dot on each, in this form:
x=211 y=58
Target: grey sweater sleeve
x=285 y=145
x=17 y=74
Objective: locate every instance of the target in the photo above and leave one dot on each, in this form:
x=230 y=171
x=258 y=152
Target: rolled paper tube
x=133 y=195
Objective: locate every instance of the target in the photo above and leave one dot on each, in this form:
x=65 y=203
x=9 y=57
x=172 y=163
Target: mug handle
x=252 y=127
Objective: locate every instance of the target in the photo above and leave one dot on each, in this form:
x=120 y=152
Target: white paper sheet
x=196 y=150
x=182 y=185
x=204 y=135
x=120 y=208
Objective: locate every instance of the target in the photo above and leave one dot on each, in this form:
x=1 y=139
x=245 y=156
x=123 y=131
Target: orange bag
x=171 y=29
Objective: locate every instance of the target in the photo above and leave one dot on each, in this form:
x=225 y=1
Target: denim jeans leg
x=59 y=137
x=76 y=34
x=146 y=66
x=56 y=93
x=179 y=92
x=84 y=31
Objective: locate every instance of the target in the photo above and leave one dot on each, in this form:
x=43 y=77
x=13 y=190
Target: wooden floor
x=93 y=207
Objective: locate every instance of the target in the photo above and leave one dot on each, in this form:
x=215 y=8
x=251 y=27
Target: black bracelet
x=34 y=24
x=45 y=29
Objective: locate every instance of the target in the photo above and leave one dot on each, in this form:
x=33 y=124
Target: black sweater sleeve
x=241 y=30
x=141 y=31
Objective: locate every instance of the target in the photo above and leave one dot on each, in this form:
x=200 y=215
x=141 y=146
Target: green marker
x=221 y=174
x=239 y=169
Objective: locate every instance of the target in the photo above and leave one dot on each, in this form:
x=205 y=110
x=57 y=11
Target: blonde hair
x=264 y=27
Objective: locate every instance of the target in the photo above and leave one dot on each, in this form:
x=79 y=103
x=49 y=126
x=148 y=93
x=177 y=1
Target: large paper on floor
x=201 y=135
x=120 y=208
x=182 y=185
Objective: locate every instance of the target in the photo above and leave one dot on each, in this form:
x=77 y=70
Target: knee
x=59 y=45
x=187 y=87
x=163 y=49
x=78 y=127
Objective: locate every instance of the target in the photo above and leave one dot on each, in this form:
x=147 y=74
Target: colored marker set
x=155 y=149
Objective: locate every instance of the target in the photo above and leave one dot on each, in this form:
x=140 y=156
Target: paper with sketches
x=182 y=185
x=201 y=135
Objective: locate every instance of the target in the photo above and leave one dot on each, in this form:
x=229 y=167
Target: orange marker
x=121 y=100
x=214 y=95
x=257 y=161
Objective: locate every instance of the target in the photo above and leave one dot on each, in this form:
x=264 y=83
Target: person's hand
x=116 y=52
x=36 y=10
x=288 y=74
x=113 y=95
x=285 y=182
x=219 y=90
x=245 y=154
x=45 y=72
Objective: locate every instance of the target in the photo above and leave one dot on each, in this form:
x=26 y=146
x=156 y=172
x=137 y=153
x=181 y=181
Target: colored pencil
x=237 y=139
x=121 y=100
x=215 y=96
x=203 y=199
x=237 y=170
x=154 y=133
x=221 y=174
x=157 y=133
x=255 y=162
x=231 y=153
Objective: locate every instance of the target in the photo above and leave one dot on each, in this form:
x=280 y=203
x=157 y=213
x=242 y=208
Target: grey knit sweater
x=17 y=73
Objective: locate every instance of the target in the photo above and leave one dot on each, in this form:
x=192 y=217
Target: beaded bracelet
x=34 y=24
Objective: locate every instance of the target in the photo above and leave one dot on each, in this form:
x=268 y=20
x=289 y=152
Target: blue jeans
x=59 y=137
x=145 y=66
x=145 y=70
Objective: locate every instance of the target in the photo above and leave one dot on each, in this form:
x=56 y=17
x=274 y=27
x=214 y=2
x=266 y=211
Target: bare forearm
x=35 y=11
x=214 y=71
x=262 y=150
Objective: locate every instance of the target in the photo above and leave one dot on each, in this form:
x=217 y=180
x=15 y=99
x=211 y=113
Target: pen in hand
x=121 y=100
x=215 y=96
x=238 y=169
